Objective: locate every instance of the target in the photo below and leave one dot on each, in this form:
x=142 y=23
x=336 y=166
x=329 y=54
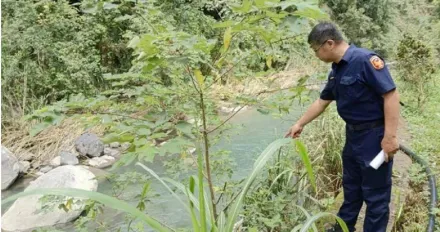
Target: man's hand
x=294 y=131
x=390 y=145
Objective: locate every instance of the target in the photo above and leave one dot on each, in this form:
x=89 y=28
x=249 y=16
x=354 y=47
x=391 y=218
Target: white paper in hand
x=378 y=160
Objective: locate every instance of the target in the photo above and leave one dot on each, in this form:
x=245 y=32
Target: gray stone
x=68 y=158
x=102 y=162
x=115 y=145
x=112 y=152
x=45 y=169
x=125 y=146
x=24 y=166
x=10 y=168
x=25 y=213
x=89 y=144
x=55 y=162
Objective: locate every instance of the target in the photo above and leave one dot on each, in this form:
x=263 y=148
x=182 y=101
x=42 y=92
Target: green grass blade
x=306 y=160
x=208 y=207
x=196 y=224
x=307 y=215
x=279 y=176
x=312 y=220
x=202 y=201
x=99 y=197
x=221 y=222
x=192 y=199
x=258 y=166
x=164 y=184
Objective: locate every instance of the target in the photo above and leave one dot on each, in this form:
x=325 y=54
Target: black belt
x=365 y=126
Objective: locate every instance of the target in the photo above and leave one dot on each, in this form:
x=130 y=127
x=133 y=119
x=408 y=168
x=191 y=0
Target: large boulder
x=26 y=212
x=10 y=168
x=89 y=144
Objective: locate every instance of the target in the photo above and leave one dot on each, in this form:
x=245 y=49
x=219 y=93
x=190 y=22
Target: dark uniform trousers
x=363 y=183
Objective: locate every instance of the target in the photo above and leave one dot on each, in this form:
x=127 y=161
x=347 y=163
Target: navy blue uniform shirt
x=357 y=83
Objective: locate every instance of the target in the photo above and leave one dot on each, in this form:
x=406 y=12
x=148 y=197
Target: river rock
x=24 y=166
x=112 y=152
x=68 y=158
x=102 y=162
x=10 y=168
x=125 y=146
x=89 y=144
x=115 y=145
x=45 y=169
x=55 y=162
x=25 y=213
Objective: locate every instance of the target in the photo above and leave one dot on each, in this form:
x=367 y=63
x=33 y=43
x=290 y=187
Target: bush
x=416 y=67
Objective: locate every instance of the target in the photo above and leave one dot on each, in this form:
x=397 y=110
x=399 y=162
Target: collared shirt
x=357 y=83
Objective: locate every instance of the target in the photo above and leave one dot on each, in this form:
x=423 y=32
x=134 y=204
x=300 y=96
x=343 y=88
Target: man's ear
x=331 y=43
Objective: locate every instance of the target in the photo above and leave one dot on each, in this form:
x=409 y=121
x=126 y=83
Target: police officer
x=368 y=102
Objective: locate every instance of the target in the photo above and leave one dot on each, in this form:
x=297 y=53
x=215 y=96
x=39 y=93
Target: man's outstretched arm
x=312 y=112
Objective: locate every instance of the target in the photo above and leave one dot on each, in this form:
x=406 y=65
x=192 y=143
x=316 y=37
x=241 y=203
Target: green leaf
x=185 y=128
x=199 y=77
x=311 y=221
x=269 y=61
x=158 y=135
x=123 y=18
x=126 y=138
x=90 y=10
x=147 y=152
x=227 y=38
x=306 y=10
x=133 y=42
x=175 y=145
x=263 y=111
x=227 y=23
x=306 y=161
x=260 y=4
x=99 y=197
x=144 y=131
x=109 y=138
x=38 y=128
x=244 y=8
x=140 y=142
x=109 y=6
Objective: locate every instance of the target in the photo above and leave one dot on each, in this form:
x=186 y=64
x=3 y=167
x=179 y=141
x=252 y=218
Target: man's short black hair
x=322 y=32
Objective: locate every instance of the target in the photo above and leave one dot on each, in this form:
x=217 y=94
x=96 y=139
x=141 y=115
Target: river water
x=255 y=131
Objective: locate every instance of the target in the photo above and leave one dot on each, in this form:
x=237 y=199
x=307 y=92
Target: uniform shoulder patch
x=377 y=62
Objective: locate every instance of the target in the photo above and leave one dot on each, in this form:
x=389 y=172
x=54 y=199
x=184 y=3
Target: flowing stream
x=252 y=132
